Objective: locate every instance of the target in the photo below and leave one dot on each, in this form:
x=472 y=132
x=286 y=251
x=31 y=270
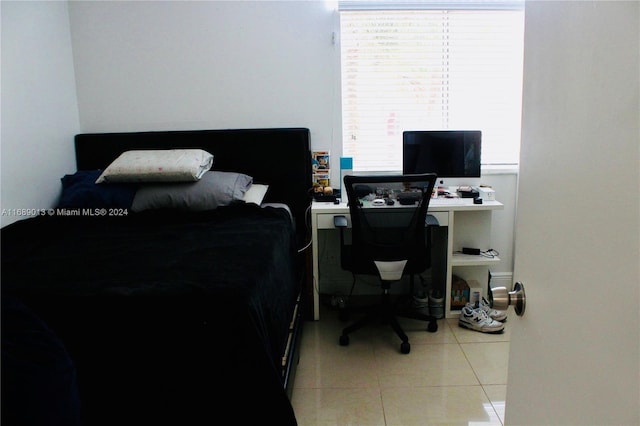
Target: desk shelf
x=460 y=259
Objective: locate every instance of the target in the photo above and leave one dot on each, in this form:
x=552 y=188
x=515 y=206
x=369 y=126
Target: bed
x=163 y=314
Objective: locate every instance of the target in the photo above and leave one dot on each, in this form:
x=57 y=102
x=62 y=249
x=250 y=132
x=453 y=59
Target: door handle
x=501 y=299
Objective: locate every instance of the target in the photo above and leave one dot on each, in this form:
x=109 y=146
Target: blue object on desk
x=346 y=168
x=346 y=163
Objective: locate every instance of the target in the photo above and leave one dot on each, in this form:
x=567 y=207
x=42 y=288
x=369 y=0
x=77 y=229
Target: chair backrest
x=385 y=232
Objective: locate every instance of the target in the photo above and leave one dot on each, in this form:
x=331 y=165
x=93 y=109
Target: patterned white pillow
x=165 y=165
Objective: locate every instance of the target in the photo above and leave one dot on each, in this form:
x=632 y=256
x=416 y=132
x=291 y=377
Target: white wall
x=212 y=64
x=39 y=111
x=502 y=225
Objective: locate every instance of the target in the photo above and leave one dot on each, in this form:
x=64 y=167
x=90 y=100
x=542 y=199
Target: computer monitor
x=451 y=154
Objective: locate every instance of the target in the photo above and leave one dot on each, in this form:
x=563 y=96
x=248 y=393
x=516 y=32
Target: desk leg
x=316 y=270
x=308 y=285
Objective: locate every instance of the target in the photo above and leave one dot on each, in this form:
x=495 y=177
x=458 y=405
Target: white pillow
x=255 y=194
x=165 y=165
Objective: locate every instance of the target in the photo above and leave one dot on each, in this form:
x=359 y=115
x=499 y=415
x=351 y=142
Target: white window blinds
x=439 y=69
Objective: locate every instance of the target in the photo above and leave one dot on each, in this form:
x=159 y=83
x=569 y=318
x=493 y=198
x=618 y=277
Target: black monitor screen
x=449 y=153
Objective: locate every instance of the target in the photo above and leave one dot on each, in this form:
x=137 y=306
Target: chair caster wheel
x=432 y=327
x=344 y=340
x=405 y=347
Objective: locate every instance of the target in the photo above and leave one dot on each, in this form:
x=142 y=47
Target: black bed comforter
x=166 y=316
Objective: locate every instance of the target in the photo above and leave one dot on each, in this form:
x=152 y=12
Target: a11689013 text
x=29 y=212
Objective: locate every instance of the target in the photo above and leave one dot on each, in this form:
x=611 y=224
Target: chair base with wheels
x=387 y=313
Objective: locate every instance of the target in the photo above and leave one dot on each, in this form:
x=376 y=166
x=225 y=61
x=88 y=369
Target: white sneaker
x=478 y=320
x=494 y=314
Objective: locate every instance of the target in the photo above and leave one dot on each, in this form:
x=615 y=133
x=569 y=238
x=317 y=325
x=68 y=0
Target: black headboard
x=279 y=157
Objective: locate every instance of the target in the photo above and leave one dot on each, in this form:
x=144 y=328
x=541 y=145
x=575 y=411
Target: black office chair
x=388 y=239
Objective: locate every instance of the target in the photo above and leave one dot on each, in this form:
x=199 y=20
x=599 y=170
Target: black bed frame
x=279 y=157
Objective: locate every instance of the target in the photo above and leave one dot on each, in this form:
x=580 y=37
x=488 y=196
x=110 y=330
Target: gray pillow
x=214 y=189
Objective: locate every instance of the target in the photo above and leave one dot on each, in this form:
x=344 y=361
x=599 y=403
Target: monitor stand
x=457 y=182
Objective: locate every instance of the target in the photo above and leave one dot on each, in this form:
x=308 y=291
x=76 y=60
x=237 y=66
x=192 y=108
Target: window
x=435 y=69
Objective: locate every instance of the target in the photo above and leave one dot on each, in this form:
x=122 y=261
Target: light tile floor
x=454 y=376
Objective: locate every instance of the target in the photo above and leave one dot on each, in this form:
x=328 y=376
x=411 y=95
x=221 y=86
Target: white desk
x=468 y=225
